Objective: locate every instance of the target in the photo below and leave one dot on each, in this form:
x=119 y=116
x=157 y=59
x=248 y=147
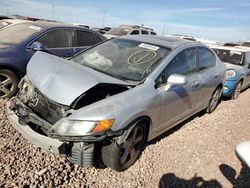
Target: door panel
x=180 y=101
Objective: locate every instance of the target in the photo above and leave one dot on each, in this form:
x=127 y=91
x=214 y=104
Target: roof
x=170 y=42
x=231 y=48
x=46 y=25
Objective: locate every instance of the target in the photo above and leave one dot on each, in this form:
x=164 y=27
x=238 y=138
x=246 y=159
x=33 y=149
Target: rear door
x=179 y=101
x=58 y=42
x=209 y=75
x=82 y=40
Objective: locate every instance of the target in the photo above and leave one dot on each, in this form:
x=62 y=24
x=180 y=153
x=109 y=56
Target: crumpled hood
x=61 y=80
x=235 y=67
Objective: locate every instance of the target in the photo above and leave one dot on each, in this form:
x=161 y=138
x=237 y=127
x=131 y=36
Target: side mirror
x=177 y=79
x=37 y=46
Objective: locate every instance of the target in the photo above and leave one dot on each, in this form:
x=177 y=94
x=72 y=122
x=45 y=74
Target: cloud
x=165 y=20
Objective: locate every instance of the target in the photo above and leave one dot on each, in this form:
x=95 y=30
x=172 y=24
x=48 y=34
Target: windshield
x=123 y=59
x=118 y=31
x=228 y=56
x=4 y=24
x=17 y=33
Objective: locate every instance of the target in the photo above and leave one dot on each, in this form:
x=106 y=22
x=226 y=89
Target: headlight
x=80 y=128
x=231 y=73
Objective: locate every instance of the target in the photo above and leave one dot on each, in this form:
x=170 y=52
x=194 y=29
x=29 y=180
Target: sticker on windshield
x=35 y=28
x=141 y=57
x=149 y=46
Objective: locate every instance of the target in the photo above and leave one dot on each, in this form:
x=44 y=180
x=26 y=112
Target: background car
x=19 y=42
x=123 y=30
x=115 y=97
x=237 y=60
x=9 y=22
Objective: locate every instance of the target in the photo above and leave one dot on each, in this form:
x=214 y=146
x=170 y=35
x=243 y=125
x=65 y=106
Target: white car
x=9 y=22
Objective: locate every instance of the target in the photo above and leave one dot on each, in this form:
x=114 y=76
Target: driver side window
x=185 y=63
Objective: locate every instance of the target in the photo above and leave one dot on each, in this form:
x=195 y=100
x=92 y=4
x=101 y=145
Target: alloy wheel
x=6 y=85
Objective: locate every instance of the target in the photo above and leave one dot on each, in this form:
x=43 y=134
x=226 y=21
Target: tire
x=237 y=91
x=8 y=83
x=121 y=157
x=214 y=100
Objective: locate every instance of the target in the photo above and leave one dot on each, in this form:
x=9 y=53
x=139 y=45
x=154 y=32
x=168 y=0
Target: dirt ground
x=197 y=153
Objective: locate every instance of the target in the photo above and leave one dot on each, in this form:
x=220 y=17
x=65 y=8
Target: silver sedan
x=103 y=105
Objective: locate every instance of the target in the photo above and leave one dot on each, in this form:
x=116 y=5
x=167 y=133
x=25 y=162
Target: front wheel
x=121 y=157
x=8 y=83
x=214 y=101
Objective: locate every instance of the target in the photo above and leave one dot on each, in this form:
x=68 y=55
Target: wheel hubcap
x=6 y=85
x=131 y=147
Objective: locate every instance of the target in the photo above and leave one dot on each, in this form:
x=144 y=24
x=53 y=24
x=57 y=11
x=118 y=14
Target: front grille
x=45 y=108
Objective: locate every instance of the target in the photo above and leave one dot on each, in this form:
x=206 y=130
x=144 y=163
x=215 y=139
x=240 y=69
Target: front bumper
x=80 y=150
x=229 y=86
x=44 y=142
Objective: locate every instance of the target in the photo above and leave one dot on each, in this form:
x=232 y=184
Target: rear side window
x=206 y=59
x=83 y=38
x=97 y=38
x=56 y=39
x=143 y=32
x=152 y=33
x=185 y=63
x=135 y=32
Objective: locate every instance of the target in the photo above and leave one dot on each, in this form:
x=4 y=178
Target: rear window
x=206 y=58
x=228 y=56
x=143 y=32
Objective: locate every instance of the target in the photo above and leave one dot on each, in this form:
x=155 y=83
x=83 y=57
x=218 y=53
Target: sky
x=222 y=20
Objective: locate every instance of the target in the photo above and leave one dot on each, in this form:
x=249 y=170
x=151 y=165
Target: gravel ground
x=198 y=153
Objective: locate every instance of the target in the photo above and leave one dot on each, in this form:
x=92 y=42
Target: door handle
x=195 y=84
x=215 y=75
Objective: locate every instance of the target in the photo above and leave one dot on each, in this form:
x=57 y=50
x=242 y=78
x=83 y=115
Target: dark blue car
x=18 y=44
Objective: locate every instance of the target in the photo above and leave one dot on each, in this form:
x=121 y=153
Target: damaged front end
x=46 y=123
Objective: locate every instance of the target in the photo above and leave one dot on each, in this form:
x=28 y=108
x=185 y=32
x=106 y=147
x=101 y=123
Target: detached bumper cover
x=44 y=142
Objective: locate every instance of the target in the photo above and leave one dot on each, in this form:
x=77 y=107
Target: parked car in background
x=237 y=60
x=246 y=44
x=19 y=42
x=187 y=37
x=115 y=97
x=9 y=22
x=123 y=30
x=81 y=25
x=102 y=30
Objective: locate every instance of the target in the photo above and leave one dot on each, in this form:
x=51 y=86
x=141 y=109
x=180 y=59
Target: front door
x=179 y=101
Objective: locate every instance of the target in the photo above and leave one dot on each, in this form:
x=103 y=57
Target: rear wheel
x=121 y=157
x=8 y=83
x=237 y=90
x=213 y=102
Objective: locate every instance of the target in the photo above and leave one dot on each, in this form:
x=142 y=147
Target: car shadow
x=241 y=181
x=171 y=180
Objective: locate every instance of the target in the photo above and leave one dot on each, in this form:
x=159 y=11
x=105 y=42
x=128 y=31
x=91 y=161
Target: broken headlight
x=79 y=128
